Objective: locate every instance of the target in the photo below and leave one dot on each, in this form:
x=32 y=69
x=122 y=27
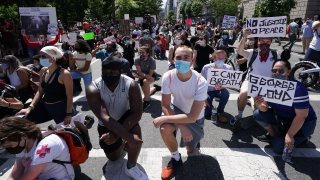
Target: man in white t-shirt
x=184 y=92
x=261 y=65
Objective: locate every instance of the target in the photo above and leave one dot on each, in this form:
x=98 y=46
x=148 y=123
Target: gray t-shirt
x=146 y=66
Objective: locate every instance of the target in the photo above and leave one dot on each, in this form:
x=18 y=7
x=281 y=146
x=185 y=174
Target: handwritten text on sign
x=272 y=90
x=227 y=78
x=267 y=26
x=229 y=21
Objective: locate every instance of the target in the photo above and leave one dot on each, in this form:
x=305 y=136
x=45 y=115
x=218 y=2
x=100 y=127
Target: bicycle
x=306 y=72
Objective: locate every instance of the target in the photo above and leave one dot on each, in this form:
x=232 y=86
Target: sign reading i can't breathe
x=272 y=90
x=227 y=78
x=267 y=26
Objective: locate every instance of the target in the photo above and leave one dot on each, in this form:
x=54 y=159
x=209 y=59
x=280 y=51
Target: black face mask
x=18 y=149
x=111 y=80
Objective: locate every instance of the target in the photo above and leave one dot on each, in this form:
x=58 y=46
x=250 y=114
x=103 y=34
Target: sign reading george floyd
x=227 y=78
x=272 y=90
x=267 y=26
x=229 y=21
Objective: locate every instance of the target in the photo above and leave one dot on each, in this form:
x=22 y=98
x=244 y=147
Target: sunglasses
x=279 y=71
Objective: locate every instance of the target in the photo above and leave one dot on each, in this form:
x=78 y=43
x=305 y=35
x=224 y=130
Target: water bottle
x=287 y=155
x=214 y=115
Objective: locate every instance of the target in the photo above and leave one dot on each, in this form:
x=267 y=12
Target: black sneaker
x=265 y=138
x=158 y=88
x=146 y=105
x=88 y=121
x=171 y=169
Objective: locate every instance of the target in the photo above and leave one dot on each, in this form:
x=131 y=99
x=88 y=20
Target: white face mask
x=202 y=43
x=178 y=41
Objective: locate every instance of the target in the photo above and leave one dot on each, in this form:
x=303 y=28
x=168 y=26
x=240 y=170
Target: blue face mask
x=225 y=37
x=183 y=66
x=146 y=36
x=219 y=63
x=45 y=62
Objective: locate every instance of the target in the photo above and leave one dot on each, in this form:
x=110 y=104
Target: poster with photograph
x=38 y=20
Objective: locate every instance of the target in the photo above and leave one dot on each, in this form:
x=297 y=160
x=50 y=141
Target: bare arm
x=165 y=104
x=24 y=78
x=241 y=50
x=17 y=170
x=135 y=100
x=297 y=123
x=68 y=83
x=34 y=171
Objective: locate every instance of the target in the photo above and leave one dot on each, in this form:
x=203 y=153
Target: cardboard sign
x=38 y=20
x=272 y=90
x=72 y=38
x=88 y=36
x=267 y=26
x=138 y=20
x=227 y=78
x=229 y=21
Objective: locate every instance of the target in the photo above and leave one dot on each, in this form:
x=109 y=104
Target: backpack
x=78 y=141
x=288 y=29
x=255 y=54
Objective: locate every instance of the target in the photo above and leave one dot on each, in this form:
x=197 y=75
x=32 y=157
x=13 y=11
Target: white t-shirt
x=81 y=59
x=261 y=68
x=50 y=148
x=185 y=93
x=315 y=43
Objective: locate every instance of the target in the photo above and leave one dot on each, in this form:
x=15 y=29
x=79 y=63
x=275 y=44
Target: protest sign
x=227 y=78
x=267 y=26
x=72 y=38
x=229 y=21
x=138 y=20
x=38 y=20
x=88 y=36
x=272 y=90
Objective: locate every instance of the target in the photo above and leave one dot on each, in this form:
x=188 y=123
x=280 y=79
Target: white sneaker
x=136 y=173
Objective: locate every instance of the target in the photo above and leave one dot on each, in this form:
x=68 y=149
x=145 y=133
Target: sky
x=163 y=3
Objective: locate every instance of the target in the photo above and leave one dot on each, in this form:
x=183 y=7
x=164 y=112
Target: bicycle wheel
x=308 y=79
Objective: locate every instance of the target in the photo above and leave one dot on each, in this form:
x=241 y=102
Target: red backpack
x=78 y=141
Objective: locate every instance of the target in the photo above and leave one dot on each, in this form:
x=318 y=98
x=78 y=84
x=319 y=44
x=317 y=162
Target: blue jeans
x=293 y=39
x=281 y=126
x=87 y=78
x=223 y=94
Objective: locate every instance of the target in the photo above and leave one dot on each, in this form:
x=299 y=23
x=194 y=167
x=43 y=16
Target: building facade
x=304 y=8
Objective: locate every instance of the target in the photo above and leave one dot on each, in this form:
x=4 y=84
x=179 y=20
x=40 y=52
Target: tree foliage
x=224 y=7
x=196 y=8
x=269 y=8
x=170 y=16
x=9 y=12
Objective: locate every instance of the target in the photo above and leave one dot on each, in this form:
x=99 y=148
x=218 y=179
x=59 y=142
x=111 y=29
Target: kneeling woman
x=54 y=97
x=287 y=126
x=34 y=154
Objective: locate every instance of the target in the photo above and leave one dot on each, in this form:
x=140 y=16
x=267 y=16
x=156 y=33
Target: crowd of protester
x=43 y=91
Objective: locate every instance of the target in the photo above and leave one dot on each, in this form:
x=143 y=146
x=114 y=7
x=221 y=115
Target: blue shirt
x=300 y=101
x=102 y=54
x=307 y=30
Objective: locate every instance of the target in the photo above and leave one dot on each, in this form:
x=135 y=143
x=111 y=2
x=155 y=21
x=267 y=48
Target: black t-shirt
x=203 y=54
x=193 y=40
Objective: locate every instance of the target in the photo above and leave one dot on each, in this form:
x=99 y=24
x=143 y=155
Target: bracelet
x=68 y=114
x=31 y=107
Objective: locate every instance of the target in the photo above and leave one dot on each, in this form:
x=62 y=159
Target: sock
x=240 y=114
x=130 y=165
x=176 y=155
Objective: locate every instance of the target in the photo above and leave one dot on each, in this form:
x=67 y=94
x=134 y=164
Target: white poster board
x=267 y=26
x=227 y=78
x=38 y=20
x=72 y=38
x=138 y=20
x=154 y=17
x=229 y=21
x=272 y=90
x=126 y=17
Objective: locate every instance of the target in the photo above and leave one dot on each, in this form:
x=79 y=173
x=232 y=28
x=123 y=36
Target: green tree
x=269 y=8
x=224 y=7
x=9 y=12
x=183 y=9
x=196 y=8
x=96 y=10
x=170 y=16
x=188 y=10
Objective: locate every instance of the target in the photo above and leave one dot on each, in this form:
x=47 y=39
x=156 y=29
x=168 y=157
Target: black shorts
x=111 y=147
